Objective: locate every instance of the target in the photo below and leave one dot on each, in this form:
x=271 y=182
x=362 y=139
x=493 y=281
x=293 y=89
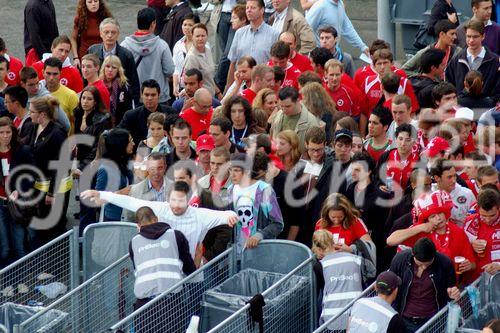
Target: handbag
x=422 y=38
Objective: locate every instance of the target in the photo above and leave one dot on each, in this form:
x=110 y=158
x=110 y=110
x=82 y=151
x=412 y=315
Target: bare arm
x=230 y=75
x=293 y=232
x=399 y=236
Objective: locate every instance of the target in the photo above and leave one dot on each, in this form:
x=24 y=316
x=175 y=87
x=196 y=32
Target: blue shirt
x=329 y=13
x=256 y=43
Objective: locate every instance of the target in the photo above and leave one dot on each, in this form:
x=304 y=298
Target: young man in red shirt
x=200 y=114
x=371 y=86
x=280 y=55
x=433 y=212
x=378 y=123
x=70 y=77
x=90 y=72
x=482 y=229
x=346 y=98
x=302 y=62
x=262 y=77
x=15 y=65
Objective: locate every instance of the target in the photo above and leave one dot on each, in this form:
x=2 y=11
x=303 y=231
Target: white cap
x=465 y=113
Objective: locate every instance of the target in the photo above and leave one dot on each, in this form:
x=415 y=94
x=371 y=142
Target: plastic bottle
x=193 y=325
x=389 y=181
x=52 y=290
x=34 y=303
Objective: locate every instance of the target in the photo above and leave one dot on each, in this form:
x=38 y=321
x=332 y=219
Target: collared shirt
x=158 y=195
x=475 y=62
x=279 y=20
x=106 y=53
x=256 y=43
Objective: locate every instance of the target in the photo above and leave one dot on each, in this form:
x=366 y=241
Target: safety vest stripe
x=331 y=311
x=342 y=296
x=377 y=307
x=341 y=260
x=160 y=261
x=158 y=275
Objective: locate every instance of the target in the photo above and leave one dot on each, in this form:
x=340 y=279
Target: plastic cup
x=483 y=243
x=336 y=238
x=458 y=260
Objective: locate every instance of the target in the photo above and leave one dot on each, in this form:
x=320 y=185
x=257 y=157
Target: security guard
x=375 y=314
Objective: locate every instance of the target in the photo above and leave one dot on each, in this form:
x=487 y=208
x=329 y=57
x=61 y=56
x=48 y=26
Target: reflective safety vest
x=371 y=315
x=157 y=264
x=342 y=273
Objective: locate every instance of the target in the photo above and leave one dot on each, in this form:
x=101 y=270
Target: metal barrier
x=338 y=323
x=437 y=323
x=171 y=310
x=96 y=304
x=103 y=244
x=59 y=258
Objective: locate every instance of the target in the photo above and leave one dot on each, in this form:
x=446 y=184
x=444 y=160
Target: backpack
x=367 y=251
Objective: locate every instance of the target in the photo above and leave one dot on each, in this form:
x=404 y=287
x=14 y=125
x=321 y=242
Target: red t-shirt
x=452 y=243
x=249 y=95
x=373 y=92
x=357 y=230
x=198 y=122
x=346 y=99
x=469 y=145
x=365 y=71
x=292 y=74
x=103 y=91
x=302 y=62
x=5 y=159
x=70 y=76
x=12 y=76
x=376 y=153
x=401 y=170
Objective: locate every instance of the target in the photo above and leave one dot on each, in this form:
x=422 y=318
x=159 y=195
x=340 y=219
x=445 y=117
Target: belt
x=417 y=320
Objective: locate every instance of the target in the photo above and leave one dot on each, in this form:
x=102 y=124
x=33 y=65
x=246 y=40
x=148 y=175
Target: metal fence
x=95 y=305
x=55 y=261
x=293 y=314
x=171 y=310
x=338 y=323
x=437 y=324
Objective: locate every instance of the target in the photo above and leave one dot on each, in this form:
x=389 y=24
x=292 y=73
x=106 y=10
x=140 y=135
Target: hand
x=367 y=52
x=478 y=246
x=176 y=91
x=232 y=220
x=77 y=173
x=14 y=196
x=76 y=62
x=452 y=17
x=252 y=242
x=492 y=268
x=49 y=200
x=384 y=188
x=182 y=93
x=465 y=266
x=342 y=247
x=92 y=196
x=426 y=227
x=238 y=78
x=188 y=103
x=453 y=293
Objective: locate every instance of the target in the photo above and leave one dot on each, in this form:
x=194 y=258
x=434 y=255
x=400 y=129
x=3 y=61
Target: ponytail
x=474 y=83
x=46 y=104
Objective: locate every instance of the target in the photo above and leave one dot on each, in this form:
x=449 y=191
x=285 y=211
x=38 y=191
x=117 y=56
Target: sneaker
x=22 y=288
x=8 y=291
x=44 y=276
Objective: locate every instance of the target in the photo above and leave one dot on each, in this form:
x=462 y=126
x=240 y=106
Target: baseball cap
x=205 y=142
x=436 y=145
x=388 y=281
x=342 y=133
x=464 y=113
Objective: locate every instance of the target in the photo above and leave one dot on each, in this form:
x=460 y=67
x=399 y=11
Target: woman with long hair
x=340 y=218
x=113 y=75
x=12 y=155
x=200 y=57
x=265 y=106
x=181 y=48
x=238 y=111
x=319 y=103
x=114 y=173
x=287 y=149
x=155 y=128
x=46 y=140
x=89 y=15
x=472 y=96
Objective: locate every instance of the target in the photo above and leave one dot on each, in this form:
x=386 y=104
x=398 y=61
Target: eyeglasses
x=315 y=150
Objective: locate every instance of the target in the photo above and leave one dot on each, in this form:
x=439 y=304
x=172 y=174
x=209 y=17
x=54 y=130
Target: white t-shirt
x=463 y=198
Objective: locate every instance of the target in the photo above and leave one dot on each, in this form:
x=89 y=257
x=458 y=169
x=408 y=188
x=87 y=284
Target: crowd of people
x=382 y=170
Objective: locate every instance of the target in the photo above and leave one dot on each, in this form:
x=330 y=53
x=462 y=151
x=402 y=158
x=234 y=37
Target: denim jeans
x=12 y=238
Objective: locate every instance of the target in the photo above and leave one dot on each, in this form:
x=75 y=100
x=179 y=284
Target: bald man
x=302 y=62
x=200 y=114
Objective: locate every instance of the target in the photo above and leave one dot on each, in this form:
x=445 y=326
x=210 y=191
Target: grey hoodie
x=61 y=117
x=156 y=62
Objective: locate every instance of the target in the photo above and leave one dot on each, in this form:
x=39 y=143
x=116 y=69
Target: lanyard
x=242 y=136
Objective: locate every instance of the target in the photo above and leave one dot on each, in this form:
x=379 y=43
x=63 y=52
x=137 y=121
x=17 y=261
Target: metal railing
x=291 y=314
x=171 y=310
x=94 y=305
x=57 y=260
x=338 y=323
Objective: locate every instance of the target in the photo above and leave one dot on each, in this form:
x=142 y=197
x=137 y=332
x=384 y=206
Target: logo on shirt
x=64 y=81
x=11 y=76
x=461 y=199
x=340 y=102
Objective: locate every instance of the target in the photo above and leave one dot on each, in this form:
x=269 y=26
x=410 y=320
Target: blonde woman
x=287 y=149
x=319 y=103
x=340 y=218
x=265 y=106
x=113 y=75
x=336 y=266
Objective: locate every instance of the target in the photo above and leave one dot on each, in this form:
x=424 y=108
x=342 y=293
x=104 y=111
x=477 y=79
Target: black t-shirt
x=397 y=325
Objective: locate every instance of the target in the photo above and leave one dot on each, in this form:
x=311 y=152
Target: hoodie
x=154 y=231
x=60 y=116
x=154 y=58
x=422 y=86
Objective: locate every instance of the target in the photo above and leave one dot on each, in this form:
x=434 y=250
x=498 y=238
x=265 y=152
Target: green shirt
x=290 y=122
